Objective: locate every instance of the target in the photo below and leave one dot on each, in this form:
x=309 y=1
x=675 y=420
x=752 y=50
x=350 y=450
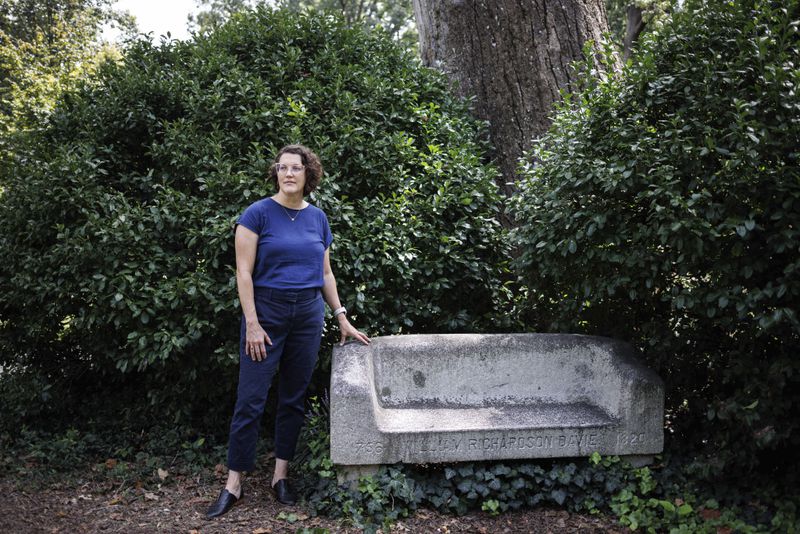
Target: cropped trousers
x=293 y=320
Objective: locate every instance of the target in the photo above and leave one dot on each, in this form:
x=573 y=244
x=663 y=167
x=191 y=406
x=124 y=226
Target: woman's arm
x=332 y=298
x=246 y=242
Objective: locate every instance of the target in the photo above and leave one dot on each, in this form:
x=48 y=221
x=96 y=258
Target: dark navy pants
x=293 y=320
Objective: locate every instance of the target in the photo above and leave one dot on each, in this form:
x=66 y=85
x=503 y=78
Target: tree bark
x=513 y=56
x=633 y=29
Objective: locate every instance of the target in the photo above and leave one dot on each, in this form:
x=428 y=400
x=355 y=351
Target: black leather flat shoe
x=284 y=493
x=224 y=503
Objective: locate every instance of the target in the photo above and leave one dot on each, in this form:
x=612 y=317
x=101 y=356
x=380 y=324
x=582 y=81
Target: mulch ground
x=179 y=505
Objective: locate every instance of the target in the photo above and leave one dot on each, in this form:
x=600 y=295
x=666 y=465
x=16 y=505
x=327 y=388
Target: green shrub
x=116 y=216
x=664 y=208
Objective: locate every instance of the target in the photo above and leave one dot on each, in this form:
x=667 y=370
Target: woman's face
x=291 y=174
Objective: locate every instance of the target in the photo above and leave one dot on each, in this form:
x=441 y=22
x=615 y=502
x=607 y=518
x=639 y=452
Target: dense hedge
x=665 y=209
x=116 y=216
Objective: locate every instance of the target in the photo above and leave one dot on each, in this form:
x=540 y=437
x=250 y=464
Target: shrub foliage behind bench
x=664 y=209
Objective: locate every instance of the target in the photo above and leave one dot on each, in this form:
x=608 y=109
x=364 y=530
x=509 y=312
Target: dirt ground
x=179 y=506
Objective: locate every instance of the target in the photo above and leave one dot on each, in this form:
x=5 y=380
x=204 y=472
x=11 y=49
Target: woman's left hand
x=349 y=330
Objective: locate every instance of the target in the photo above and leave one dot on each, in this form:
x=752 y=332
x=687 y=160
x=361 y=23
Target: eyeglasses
x=296 y=169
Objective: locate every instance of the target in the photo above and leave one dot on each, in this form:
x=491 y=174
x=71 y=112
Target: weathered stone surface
x=461 y=397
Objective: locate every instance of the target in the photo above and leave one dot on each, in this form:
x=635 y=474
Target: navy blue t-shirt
x=290 y=253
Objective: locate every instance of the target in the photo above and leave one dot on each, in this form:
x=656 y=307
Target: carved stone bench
x=466 y=397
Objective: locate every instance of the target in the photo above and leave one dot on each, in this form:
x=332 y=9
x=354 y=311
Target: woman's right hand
x=256 y=341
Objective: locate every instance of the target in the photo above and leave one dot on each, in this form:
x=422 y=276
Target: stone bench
x=466 y=397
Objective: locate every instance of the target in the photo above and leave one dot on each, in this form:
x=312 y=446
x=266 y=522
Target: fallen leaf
x=724 y=530
x=289 y=518
x=219 y=469
x=61 y=513
x=150 y=496
x=163 y=473
x=262 y=530
x=115 y=500
x=111 y=463
x=116 y=517
x=678 y=501
x=709 y=513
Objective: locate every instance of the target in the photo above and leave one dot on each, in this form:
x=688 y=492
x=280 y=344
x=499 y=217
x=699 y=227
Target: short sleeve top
x=290 y=252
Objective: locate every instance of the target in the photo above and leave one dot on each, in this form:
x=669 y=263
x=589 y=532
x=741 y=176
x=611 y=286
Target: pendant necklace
x=288 y=215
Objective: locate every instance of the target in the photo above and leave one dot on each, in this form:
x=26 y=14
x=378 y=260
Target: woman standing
x=283 y=271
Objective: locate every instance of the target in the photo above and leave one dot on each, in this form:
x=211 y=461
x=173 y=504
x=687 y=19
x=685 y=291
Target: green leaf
x=559 y=496
x=667 y=506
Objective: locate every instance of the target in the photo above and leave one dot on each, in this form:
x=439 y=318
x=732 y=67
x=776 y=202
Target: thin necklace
x=287 y=212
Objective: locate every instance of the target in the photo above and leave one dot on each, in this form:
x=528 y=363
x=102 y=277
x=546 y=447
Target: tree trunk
x=633 y=29
x=513 y=56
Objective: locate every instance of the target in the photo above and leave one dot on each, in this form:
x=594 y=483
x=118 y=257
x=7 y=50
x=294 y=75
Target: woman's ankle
x=234 y=484
x=234 y=489
x=281 y=470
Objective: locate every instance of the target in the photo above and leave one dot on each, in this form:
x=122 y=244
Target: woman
x=283 y=271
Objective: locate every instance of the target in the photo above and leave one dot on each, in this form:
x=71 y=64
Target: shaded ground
x=179 y=506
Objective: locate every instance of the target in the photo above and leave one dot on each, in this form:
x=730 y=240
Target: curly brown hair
x=311 y=162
